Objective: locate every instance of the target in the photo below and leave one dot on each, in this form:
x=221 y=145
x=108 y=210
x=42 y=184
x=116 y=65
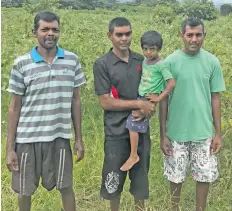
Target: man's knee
x=67 y=191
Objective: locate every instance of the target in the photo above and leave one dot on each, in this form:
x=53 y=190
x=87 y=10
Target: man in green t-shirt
x=190 y=125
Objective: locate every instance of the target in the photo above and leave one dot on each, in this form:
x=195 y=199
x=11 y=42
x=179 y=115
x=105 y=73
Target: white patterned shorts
x=203 y=164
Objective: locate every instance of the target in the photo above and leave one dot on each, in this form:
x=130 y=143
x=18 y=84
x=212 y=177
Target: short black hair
x=47 y=16
x=192 y=22
x=152 y=38
x=118 y=22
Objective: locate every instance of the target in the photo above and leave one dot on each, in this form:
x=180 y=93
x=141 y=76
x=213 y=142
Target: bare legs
x=202 y=190
x=134 y=158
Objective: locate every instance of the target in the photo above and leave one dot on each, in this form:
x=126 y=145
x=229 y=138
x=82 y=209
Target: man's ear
x=182 y=35
x=33 y=32
x=109 y=35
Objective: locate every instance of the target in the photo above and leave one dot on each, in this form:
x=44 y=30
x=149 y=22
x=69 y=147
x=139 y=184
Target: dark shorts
x=52 y=161
x=116 y=153
x=137 y=126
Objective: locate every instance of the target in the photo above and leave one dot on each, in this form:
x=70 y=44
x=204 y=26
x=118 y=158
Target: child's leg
x=134 y=158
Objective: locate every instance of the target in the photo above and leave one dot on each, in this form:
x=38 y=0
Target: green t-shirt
x=153 y=78
x=190 y=111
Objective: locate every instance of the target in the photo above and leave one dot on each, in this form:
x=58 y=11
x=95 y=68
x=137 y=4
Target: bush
x=42 y=5
x=205 y=11
x=226 y=9
x=164 y=13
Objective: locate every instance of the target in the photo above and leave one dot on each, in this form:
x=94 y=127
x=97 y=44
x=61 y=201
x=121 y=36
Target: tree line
x=203 y=9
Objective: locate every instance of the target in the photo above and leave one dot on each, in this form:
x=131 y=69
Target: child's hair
x=152 y=38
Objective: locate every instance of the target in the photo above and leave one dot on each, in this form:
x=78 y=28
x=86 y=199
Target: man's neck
x=47 y=54
x=190 y=53
x=124 y=55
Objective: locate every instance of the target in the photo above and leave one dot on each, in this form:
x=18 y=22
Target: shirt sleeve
x=101 y=79
x=165 y=71
x=79 y=75
x=16 y=81
x=217 y=83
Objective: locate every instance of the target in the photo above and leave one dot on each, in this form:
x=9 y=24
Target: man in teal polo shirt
x=192 y=132
x=45 y=97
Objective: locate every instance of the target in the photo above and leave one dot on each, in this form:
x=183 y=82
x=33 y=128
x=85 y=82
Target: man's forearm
x=216 y=111
x=111 y=104
x=163 y=110
x=76 y=118
x=13 y=119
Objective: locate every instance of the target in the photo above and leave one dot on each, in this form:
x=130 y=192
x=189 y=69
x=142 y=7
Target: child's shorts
x=203 y=164
x=137 y=126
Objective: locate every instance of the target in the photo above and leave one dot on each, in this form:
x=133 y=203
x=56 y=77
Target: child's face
x=150 y=52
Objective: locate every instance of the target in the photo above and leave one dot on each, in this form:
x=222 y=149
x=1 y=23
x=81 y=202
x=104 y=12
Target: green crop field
x=84 y=32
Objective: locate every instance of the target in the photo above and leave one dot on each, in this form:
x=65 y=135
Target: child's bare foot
x=131 y=161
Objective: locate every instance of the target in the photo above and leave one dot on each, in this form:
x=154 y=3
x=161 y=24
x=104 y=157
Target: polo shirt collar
x=116 y=59
x=36 y=57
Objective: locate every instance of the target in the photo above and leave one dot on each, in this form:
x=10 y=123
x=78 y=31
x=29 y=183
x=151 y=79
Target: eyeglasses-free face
x=150 y=52
x=121 y=38
x=152 y=49
x=120 y=34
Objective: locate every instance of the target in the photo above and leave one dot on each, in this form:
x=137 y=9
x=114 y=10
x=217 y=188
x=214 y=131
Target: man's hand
x=79 y=150
x=166 y=147
x=137 y=115
x=147 y=108
x=12 y=160
x=154 y=98
x=216 y=144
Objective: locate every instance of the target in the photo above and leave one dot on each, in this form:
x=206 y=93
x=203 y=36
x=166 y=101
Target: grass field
x=84 y=33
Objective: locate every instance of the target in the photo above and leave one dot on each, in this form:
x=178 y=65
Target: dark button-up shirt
x=109 y=70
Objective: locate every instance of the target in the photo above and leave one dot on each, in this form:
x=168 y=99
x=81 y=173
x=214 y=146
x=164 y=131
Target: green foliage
x=226 y=9
x=33 y=7
x=164 y=13
x=153 y=3
x=205 y=11
x=85 y=33
x=11 y=3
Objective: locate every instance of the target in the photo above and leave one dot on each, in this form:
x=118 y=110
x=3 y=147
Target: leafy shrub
x=226 y=9
x=205 y=11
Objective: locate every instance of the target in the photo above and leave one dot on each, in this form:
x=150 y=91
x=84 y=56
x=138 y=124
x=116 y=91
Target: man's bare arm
x=76 y=118
x=216 y=112
x=165 y=144
x=163 y=110
x=13 y=119
x=112 y=104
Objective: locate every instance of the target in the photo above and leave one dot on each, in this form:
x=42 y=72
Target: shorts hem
x=110 y=197
x=49 y=188
x=174 y=181
x=65 y=186
x=138 y=198
x=205 y=181
x=24 y=194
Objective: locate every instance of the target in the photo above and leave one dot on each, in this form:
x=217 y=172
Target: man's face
x=193 y=39
x=121 y=38
x=48 y=34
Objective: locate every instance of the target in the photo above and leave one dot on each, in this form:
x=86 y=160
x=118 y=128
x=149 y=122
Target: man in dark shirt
x=120 y=69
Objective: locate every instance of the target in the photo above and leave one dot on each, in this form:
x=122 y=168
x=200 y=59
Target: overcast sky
x=223 y=1
x=216 y=1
